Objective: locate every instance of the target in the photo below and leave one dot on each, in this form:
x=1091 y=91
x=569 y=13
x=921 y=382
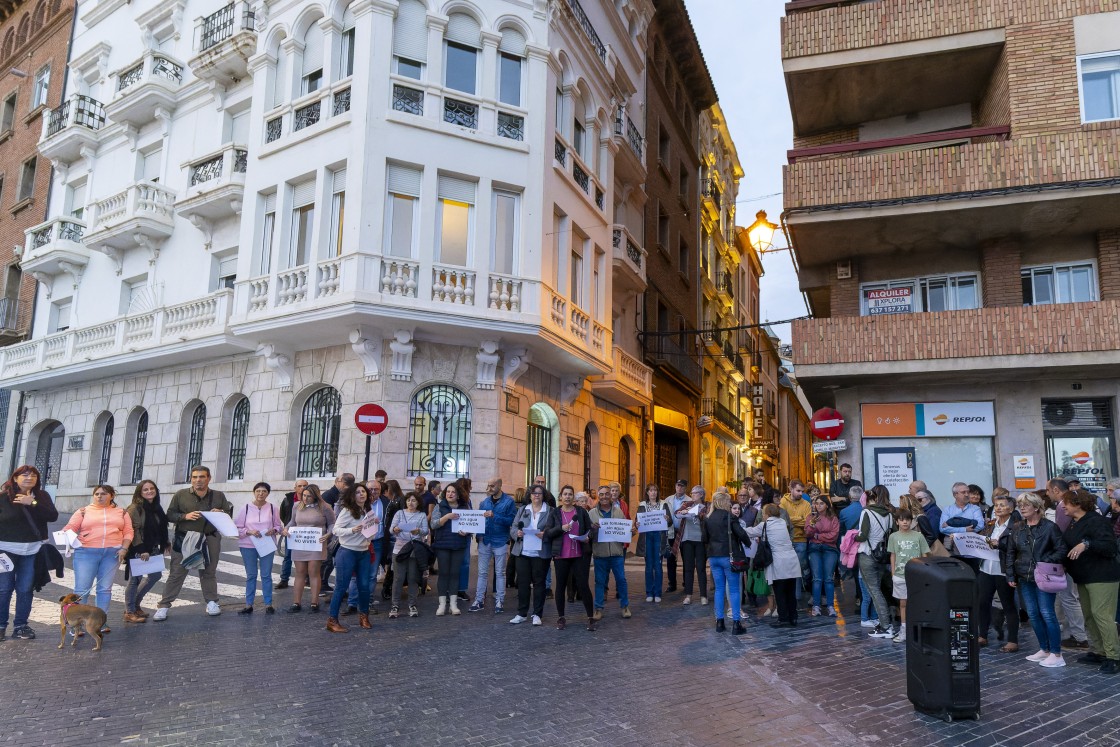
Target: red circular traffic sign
x=827 y=423
x=371 y=419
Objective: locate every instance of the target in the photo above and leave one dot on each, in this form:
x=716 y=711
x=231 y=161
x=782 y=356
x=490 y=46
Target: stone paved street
x=662 y=678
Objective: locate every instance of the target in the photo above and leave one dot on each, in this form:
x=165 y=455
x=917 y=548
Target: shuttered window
x=312 y=59
x=401 y=208
x=410 y=31
x=456 y=198
x=338 y=211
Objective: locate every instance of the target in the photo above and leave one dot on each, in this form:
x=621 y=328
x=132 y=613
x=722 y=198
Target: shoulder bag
x=763 y=556
x=1049 y=577
x=737 y=566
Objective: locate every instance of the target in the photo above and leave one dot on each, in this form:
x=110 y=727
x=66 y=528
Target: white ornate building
x=266 y=214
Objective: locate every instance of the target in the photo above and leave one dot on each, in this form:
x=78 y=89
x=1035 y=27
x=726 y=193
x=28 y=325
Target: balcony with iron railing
x=9 y=319
x=724 y=417
x=134 y=342
x=713 y=336
x=71 y=127
x=628 y=260
x=626 y=130
x=314 y=112
x=215 y=186
x=664 y=351
x=725 y=289
x=581 y=19
x=148 y=85
x=455 y=109
x=629 y=384
x=225 y=40
x=54 y=247
x=713 y=198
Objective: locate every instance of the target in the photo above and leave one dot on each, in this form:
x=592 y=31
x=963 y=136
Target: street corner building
x=263 y=216
x=953 y=199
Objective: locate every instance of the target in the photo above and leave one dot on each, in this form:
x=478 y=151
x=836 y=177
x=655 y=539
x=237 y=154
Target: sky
x=741 y=44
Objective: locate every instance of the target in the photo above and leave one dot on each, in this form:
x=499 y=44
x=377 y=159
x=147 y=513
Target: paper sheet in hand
x=972 y=545
x=6 y=564
x=614 y=530
x=265 y=545
x=67 y=539
x=471 y=522
x=305 y=538
x=695 y=510
x=652 y=521
x=221 y=522
x=154 y=564
x=530 y=543
x=371 y=525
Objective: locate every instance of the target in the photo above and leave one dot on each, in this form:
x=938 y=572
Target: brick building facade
x=952 y=197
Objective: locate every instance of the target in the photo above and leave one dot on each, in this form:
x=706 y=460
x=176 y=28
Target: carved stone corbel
x=403 y=348
x=570 y=387
x=205 y=226
x=280 y=361
x=44 y=280
x=487 y=357
x=74 y=271
x=515 y=364
x=146 y=243
x=367 y=345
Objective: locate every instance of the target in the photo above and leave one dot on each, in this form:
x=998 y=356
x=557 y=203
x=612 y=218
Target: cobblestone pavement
x=664 y=677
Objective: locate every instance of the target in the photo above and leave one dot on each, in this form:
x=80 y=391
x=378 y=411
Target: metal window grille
x=408 y=100
x=239 y=434
x=48 y=453
x=273 y=129
x=587 y=457
x=511 y=126
x=5 y=403
x=462 y=113
x=106 y=449
x=194 y=445
x=624 y=466
x=539 y=457
x=318 y=434
x=139 y=447
x=439 y=433
x=306 y=116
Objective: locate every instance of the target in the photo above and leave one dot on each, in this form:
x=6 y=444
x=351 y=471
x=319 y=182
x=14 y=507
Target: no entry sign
x=371 y=419
x=827 y=423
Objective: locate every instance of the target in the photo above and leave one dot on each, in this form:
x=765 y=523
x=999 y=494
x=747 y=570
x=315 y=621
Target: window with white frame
x=59 y=320
x=511 y=50
x=1100 y=87
x=461 y=43
x=932 y=293
x=41 y=91
x=338 y=211
x=346 y=45
x=402 y=207
x=506 y=209
x=149 y=165
x=225 y=273
x=1064 y=283
x=134 y=295
x=575 y=269
x=559 y=123
x=268 y=234
x=303 y=223
x=456 y=205
x=76 y=199
x=410 y=39
x=598 y=306
x=312 y=75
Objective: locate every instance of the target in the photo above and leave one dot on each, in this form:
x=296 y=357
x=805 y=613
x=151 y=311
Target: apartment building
x=34 y=39
x=264 y=217
x=953 y=197
x=678 y=89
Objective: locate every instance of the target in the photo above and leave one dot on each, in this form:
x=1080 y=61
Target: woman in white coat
x=783 y=573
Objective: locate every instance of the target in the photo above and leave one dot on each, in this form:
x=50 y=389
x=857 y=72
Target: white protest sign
x=221 y=522
x=6 y=564
x=973 y=545
x=652 y=521
x=530 y=542
x=614 y=530
x=154 y=564
x=265 y=545
x=305 y=539
x=471 y=522
x=371 y=525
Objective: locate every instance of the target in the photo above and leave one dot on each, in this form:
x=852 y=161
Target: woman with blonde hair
x=1029 y=542
x=105 y=532
x=724 y=538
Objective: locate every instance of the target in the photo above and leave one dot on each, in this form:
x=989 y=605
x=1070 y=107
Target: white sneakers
x=536 y=620
x=1040 y=655
x=649 y=599
x=442 y=609
x=901 y=637
x=868 y=623
x=518 y=619
x=815 y=611
x=1053 y=660
x=687 y=600
x=703 y=601
x=160 y=615
x=657 y=600
x=212 y=609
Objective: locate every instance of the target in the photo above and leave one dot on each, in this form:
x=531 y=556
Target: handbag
x=737 y=566
x=756 y=583
x=763 y=556
x=937 y=550
x=1050 y=577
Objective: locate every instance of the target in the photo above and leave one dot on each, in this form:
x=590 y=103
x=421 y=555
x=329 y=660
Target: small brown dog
x=75 y=616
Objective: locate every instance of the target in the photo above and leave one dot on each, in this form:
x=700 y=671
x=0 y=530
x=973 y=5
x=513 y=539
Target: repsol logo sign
x=943 y=419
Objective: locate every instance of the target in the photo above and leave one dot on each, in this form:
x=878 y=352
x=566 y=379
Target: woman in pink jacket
x=822 y=531
x=258 y=520
x=105 y=532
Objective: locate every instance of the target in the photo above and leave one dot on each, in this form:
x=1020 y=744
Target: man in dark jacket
x=286 y=506
x=842 y=486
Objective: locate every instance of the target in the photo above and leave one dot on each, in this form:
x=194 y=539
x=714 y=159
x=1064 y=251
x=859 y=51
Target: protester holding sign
x=25 y=511
x=354 y=524
x=498 y=510
x=1033 y=554
x=149 y=537
x=653 y=508
x=569 y=531
x=449 y=545
x=258 y=524
x=312 y=512
x=609 y=556
x=532 y=551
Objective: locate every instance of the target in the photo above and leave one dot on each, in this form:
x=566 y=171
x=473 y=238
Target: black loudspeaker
x=942 y=658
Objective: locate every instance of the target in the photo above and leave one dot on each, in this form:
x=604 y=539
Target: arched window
x=410 y=39
x=194 y=442
x=239 y=434
x=439 y=433
x=462 y=50
x=511 y=52
x=318 y=434
x=312 y=75
x=139 y=445
x=56 y=5
x=106 y=450
x=40 y=16
x=346 y=44
x=542 y=445
x=48 y=452
x=9 y=44
x=23 y=30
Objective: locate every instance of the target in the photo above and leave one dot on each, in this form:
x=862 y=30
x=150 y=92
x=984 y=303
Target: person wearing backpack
x=875 y=525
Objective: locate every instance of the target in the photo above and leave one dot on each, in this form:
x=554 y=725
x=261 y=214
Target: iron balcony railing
x=585 y=24
x=81 y=111
x=625 y=127
x=219 y=26
x=9 y=313
x=663 y=349
x=723 y=415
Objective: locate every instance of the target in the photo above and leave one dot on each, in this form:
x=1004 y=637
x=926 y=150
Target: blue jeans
x=19 y=582
x=99 y=563
x=866 y=609
x=286 y=567
x=802 y=550
x=486 y=555
x=348 y=562
x=723 y=577
x=1044 y=620
x=137 y=587
x=253 y=561
x=822 y=561
x=465 y=570
x=352 y=590
x=603 y=566
x=654 y=575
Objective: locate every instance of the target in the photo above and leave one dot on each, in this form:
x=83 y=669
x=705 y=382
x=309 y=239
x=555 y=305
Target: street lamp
x=760 y=234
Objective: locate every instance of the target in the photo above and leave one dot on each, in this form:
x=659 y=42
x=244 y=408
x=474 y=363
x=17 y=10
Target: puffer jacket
x=1022 y=546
